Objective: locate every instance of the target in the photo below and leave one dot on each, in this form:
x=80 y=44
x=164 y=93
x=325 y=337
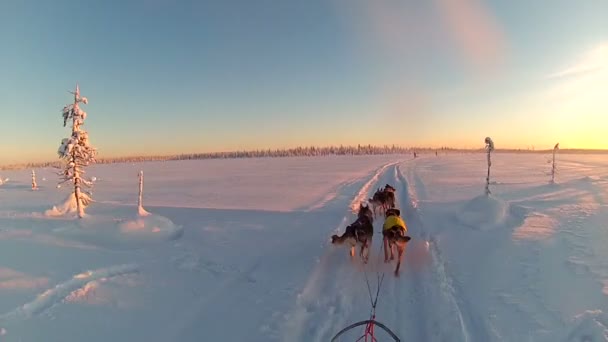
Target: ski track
x=56 y=295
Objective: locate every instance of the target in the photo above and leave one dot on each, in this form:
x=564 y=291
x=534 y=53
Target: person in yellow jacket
x=394 y=232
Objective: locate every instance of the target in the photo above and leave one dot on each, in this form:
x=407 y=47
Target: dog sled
x=371 y=323
x=360 y=233
x=368 y=336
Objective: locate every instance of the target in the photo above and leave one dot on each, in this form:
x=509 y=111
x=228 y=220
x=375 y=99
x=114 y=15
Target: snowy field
x=238 y=250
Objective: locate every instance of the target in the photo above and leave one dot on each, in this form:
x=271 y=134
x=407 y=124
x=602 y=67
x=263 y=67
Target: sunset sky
x=174 y=76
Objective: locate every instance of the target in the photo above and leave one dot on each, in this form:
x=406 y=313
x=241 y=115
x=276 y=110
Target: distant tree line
x=271 y=153
x=310 y=151
x=260 y=153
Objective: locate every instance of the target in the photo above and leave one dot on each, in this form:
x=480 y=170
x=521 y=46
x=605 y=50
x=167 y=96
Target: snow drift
x=488 y=212
x=590 y=326
x=69 y=205
x=122 y=233
x=148 y=228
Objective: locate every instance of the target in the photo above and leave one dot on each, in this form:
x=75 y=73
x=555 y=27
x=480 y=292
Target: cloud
x=593 y=61
x=574 y=98
x=11 y=280
x=411 y=41
x=587 y=78
x=412 y=30
x=475 y=31
x=401 y=28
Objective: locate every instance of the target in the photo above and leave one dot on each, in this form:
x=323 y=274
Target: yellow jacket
x=392 y=221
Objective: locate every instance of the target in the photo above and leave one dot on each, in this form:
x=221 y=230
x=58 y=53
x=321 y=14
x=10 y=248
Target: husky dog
x=394 y=234
x=359 y=232
x=383 y=199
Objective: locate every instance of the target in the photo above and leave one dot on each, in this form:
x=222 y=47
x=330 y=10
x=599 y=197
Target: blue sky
x=171 y=76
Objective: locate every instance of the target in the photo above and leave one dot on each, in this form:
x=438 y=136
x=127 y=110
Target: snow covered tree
x=76 y=152
x=489 y=149
x=555 y=148
x=34 y=185
x=140 y=206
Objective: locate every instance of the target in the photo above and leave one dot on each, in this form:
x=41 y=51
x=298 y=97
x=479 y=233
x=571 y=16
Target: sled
x=368 y=336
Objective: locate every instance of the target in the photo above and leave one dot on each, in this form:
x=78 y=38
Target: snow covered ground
x=238 y=250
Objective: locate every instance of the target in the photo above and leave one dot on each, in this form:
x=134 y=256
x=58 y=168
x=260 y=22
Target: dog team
x=361 y=231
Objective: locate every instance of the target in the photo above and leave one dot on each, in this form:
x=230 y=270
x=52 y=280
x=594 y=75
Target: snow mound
x=589 y=179
x=68 y=206
x=142 y=212
x=487 y=212
x=589 y=326
x=149 y=227
x=120 y=234
x=535 y=227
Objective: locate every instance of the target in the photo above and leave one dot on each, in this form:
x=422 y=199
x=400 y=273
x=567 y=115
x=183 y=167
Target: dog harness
x=393 y=221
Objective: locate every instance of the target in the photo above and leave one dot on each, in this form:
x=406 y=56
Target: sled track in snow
x=56 y=295
x=364 y=193
x=433 y=320
x=189 y=314
x=335 y=290
x=421 y=305
x=410 y=282
x=458 y=315
x=311 y=301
